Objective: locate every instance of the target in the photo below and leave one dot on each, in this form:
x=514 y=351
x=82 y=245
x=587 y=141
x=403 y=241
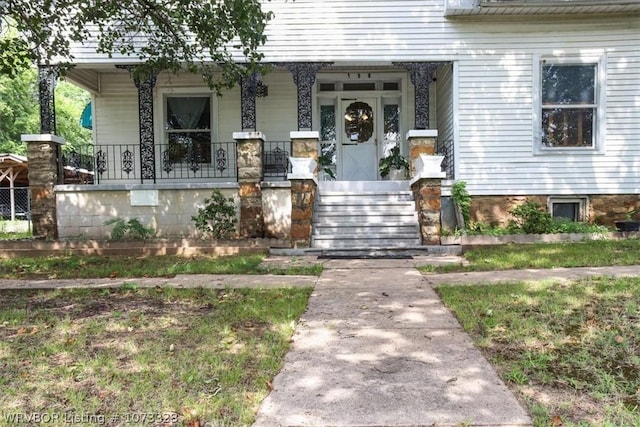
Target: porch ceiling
x=88 y=79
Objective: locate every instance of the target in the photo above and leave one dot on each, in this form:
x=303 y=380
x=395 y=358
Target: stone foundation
x=601 y=209
x=605 y=209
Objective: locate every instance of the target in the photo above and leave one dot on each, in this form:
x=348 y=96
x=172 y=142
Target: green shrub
x=218 y=217
x=532 y=218
x=132 y=229
x=564 y=225
x=462 y=199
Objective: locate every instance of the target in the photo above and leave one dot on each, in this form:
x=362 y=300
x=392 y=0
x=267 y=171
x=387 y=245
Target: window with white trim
x=569 y=208
x=570 y=108
x=568 y=105
x=188 y=129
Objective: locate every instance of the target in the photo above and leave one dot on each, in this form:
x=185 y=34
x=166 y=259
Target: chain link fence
x=15 y=209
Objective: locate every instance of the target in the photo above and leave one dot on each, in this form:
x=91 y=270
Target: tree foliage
x=18 y=110
x=201 y=36
x=70 y=101
x=20 y=113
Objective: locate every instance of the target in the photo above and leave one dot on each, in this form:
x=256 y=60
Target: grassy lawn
x=547 y=255
x=94 y=266
x=147 y=356
x=570 y=350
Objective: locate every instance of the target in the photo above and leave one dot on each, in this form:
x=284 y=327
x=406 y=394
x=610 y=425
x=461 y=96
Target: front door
x=359 y=150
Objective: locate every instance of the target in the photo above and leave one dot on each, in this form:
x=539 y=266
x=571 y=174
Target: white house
x=528 y=98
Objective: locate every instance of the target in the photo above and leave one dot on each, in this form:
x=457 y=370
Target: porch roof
x=13 y=168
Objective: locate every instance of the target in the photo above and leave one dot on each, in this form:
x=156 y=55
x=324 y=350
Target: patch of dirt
x=563 y=404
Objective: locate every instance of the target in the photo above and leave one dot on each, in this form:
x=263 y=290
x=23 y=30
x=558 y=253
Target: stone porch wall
x=601 y=209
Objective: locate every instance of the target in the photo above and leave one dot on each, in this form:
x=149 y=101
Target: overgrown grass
x=76 y=266
x=554 y=226
x=547 y=255
x=12 y=230
x=571 y=350
x=197 y=355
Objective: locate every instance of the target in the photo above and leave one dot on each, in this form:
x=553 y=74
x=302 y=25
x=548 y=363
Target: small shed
x=14 y=183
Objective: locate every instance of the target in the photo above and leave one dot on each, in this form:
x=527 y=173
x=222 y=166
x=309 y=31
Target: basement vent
x=571 y=208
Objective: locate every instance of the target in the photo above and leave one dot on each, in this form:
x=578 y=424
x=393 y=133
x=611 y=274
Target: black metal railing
x=78 y=165
x=197 y=160
x=79 y=159
x=446 y=149
x=275 y=160
x=173 y=161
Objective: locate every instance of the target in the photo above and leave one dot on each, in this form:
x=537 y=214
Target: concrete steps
x=365 y=214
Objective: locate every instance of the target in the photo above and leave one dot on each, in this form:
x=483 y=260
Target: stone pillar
x=305 y=144
x=427 y=196
x=303 y=177
x=420 y=142
x=249 y=155
x=43 y=175
x=303 y=196
x=427 y=191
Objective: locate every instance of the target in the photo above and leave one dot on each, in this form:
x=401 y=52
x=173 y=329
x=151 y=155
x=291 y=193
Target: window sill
x=577 y=151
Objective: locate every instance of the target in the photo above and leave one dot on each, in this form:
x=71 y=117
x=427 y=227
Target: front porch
x=282 y=210
x=162 y=178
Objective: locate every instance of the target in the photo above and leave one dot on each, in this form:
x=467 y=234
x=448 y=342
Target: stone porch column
x=427 y=189
x=305 y=144
x=420 y=142
x=42 y=154
x=249 y=155
x=304 y=185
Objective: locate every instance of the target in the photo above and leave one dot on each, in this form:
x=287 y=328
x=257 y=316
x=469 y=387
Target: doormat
x=369 y=256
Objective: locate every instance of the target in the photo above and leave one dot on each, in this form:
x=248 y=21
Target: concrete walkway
x=376 y=347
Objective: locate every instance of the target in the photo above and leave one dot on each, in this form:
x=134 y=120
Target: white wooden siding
x=444 y=103
x=115 y=116
x=495 y=88
x=116 y=111
x=277 y=114
x=495 y=146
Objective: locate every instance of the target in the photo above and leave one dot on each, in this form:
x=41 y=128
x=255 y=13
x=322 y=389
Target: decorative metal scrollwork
x=280 y=156
x=101 y=162
x=221 y=159
x=46 y=89
x=127 y=162
x=421 y=74
x=194 y=158
x=304 y=76
x=167 y=164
